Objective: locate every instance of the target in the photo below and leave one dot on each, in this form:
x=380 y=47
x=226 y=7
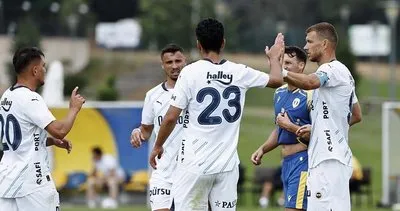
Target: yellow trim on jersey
x=301 y=190
x=284 y=86
x=309 y=98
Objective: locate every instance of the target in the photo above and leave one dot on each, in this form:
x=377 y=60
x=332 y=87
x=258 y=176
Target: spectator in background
x=271 y=185
x=106 y=173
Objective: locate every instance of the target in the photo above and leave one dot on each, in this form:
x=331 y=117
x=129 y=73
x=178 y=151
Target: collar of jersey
x=221 y=62
x=13 y=87
x=164 y=86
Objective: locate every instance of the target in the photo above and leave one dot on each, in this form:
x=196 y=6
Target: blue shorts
x=294 y=178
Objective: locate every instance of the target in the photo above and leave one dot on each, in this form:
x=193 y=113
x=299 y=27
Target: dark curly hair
x=210 y=34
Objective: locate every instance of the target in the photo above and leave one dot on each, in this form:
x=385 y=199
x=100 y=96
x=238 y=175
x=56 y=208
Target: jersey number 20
x=205 y=117
x=5 y=131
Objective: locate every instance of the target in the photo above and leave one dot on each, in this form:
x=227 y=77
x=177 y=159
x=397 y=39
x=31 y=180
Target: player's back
x=215 y=96
x=331 y=112
x=25 y=164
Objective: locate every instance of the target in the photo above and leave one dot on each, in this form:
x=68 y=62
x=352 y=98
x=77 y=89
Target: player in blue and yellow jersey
x=292 y=107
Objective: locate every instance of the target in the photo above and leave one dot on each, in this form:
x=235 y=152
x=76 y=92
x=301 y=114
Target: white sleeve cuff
x=284 y=73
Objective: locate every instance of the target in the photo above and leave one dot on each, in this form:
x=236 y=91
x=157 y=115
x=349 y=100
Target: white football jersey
x=156 y=105
x=108 y=163
x=25 y=164
x=212 y=96
x=330 y=115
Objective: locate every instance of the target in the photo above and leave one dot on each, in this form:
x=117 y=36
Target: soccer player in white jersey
x=155 y=107
x=330 y=166
x=25 y=180
x=211 y=93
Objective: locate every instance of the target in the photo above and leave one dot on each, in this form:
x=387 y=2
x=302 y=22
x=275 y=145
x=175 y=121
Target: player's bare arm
x=275 y=56
x=283 y=121
x=356 y=114
x=270 y=144
x=61 y=143
x=138 y=135
x=167 y=126
x=302 y=81
x=60 y=128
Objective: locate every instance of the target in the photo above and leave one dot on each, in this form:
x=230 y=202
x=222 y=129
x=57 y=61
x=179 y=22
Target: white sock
x=91 y=204
x=263 y=202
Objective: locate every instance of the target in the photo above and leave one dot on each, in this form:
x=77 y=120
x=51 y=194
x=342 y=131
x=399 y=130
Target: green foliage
x=169 y=21
x=27 y=35
x=164 y=22
x=109 y=91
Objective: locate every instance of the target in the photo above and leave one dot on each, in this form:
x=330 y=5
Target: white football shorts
x=192 y=191
x=45 y=199
x=328 y=187
x=160 y=194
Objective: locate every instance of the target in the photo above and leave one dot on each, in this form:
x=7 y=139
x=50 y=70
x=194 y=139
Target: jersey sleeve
x=254 y=78
x=37 y=111
x=181 y=94
x=326 y=76
x=148 y=112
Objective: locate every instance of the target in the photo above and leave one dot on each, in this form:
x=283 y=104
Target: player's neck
x=327 y=57
x=212 y=56
x=170 y=84
x=291 y=88
x=27 y=83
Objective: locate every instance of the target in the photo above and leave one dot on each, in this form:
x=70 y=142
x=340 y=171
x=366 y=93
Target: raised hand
x=276 y=51
x=76 y=100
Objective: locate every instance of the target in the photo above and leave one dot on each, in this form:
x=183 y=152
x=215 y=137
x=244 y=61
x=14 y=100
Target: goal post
x=390 y=153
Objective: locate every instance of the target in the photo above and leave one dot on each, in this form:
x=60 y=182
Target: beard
x=316 y=57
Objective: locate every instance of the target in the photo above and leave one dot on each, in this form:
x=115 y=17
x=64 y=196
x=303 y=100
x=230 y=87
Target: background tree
x=27 y=35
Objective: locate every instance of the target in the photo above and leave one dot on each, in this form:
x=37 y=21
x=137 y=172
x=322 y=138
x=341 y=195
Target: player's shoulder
x=237 y=66
x=282 y=88
x=333 y=65
x=204 y=62
x=156 y=90
x=325 y=67
x=306 y=92
x=23 y=94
